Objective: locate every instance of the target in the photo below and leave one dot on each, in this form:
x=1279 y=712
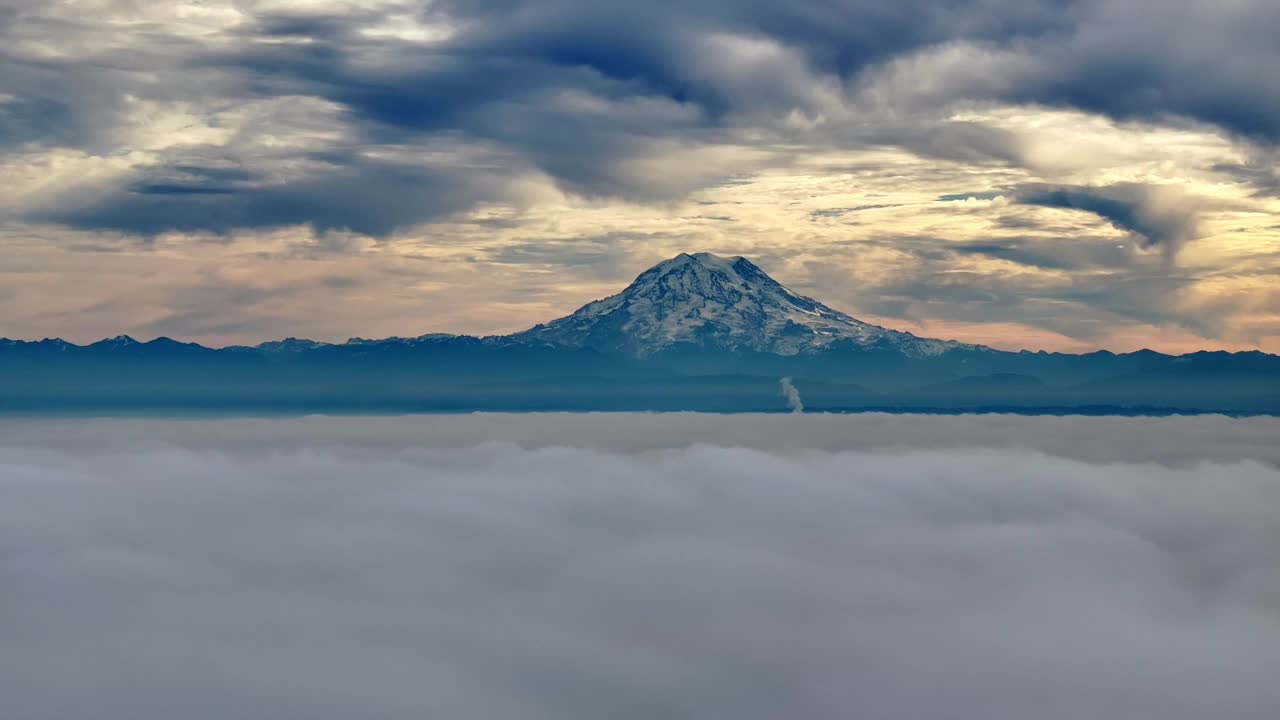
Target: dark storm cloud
x=29 y=119
x=1052 y=253
x=392 y=568
x=372 y=197
x=504 y=75
x=1114 y=58
x=55 y=103
x=1134 y=208
x=583 y=92
x=1150 y=60
x=1156 y=217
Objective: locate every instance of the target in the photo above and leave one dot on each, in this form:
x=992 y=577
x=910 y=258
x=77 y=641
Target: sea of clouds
x=640 y=566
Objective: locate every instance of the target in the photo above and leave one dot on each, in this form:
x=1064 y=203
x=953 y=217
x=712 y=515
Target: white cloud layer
x=393 y=568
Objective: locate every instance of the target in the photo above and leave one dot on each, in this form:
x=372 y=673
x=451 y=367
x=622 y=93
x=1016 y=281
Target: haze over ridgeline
x=695 y=332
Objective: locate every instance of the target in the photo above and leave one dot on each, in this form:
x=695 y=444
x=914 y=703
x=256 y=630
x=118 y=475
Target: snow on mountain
x=290 y=344
x=119 y=342
x=718 y=302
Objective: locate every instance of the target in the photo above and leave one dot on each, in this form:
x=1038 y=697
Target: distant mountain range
x=696 y=332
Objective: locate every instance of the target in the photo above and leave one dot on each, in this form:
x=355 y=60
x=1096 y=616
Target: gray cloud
x=1079 y=285
x=1260 y=170
x=1158 y=217
x=1146 y=212
x=330 y=568
x=348 y=192
x=1120 y=62
x=584 y=93
x=1053 y=253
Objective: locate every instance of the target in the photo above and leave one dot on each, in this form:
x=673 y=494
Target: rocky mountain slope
x=725 y=303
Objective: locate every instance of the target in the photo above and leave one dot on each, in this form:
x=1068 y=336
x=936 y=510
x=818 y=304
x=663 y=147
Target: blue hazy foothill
x=696 y=332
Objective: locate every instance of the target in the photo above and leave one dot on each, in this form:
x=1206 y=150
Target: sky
x=1043 y=174
x=636 y=566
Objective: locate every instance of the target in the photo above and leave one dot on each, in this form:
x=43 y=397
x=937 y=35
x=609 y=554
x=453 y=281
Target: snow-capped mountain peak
x=119 y=342
x=726 y=303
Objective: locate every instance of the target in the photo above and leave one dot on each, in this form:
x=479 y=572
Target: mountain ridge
x=696 y=332
x=784 y=322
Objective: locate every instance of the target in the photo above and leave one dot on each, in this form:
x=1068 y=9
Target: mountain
x=725 y=303
x=696 y=332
